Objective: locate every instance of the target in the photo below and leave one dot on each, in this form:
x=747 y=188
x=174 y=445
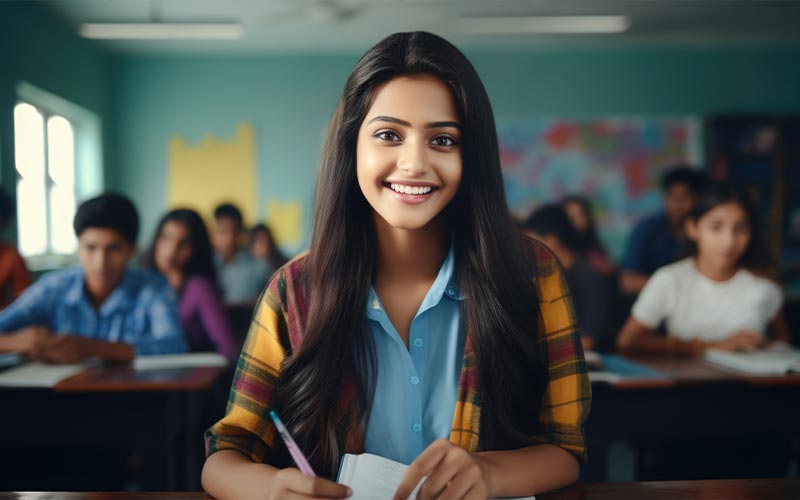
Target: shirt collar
x=120 y=298
x=445 y=285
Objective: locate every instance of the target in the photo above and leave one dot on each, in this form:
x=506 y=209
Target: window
x=45 y=161
x=57 y=152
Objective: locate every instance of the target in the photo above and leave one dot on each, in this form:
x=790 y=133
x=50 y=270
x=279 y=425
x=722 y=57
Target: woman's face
x=722 y=235
x=173 y=247
x=576 y=214
x=409 y=153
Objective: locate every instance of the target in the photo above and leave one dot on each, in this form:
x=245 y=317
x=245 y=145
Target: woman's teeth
x=400 y=188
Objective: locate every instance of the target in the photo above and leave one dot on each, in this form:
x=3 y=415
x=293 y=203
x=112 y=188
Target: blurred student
x=14 y=276
x=592 y=293
x=580 y=214
x=656 y=240
x=263 y=247
x=241 y=276
x=99 y=309
x=717 y=296
x=181 y=251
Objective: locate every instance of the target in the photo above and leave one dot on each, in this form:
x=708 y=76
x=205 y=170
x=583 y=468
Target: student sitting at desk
x=421 y=326
x=100 y=309
x=592 y=293
x=181 y=251
x=717 y=296
x=241 y=276
x=656 y=240
x=14 y=277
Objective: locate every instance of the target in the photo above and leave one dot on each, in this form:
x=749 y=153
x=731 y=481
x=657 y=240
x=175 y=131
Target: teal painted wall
x=290 y=99
x=38 y=49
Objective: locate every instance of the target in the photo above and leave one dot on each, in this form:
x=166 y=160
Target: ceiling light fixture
x=162 y=31
x=544 y=25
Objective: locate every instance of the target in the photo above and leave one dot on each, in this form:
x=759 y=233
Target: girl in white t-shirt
x=717 y=297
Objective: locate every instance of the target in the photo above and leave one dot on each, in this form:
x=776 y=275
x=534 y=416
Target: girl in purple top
x=181 y=251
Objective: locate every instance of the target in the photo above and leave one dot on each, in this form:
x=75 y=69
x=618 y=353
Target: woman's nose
x=413 y=159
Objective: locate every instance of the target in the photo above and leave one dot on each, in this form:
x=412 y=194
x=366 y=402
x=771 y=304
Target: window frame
x=87 y=164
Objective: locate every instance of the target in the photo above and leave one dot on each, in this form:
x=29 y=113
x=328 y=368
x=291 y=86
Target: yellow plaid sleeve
x=568 y=395
x=245 y=427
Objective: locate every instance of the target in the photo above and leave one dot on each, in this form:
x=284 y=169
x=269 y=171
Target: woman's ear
x=690 y=228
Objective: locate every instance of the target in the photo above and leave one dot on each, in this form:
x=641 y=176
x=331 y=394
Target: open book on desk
x=777 y=359
x=375 y=478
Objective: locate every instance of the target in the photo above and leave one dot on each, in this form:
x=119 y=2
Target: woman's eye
x=443 y=140
x=387 y=135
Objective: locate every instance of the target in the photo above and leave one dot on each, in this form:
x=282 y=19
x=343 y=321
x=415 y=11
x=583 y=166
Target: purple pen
x=294 y=450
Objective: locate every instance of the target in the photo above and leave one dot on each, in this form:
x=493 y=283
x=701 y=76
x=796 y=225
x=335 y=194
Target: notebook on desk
x=375 y=478
x=777 y=359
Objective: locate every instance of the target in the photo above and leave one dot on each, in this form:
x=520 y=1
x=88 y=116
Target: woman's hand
x=451 y=471
x=291 y=484
x=744 y=340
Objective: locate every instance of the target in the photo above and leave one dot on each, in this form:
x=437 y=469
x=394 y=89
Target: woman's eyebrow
x=404 y=123
x=443 y=124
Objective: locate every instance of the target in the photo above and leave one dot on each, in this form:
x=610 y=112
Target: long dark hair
x=201 y=262
x=755 y=258
x=495 y=265
x=587 y=239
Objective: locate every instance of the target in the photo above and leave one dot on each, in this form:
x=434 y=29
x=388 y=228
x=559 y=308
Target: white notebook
x=777 y=359
x=375 y=478
x=39 y=374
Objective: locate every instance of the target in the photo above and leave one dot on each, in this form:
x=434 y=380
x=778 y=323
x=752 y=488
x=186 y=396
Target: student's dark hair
x=201 y=262
x=8 y=208
x=552 y=220
x=755 y=257
x=692 y=178
x=108 y=211
x=587 y=239
x=229 y=210
x=276 y=257
x=494 y=262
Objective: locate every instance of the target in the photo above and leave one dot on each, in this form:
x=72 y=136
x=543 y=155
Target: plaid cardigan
x=277 y=330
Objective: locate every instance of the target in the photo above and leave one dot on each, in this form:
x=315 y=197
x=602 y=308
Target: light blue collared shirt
x=417 y=387
x=141 y=311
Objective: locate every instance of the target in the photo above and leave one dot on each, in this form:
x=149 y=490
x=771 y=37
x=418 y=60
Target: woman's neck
x=175 y=279
x=712 y=272
x=410 y=255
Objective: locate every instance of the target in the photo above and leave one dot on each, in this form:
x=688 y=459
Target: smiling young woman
x=421 y=326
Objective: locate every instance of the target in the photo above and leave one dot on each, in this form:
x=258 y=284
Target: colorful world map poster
x=616 y=162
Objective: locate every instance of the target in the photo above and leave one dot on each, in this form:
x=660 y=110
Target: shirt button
x=451 y=292
x=414 y=380
x=417 y=427
x=418 y=342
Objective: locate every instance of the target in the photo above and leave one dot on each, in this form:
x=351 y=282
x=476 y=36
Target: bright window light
x=61 y=168
x=45 y=197
x=29 y=159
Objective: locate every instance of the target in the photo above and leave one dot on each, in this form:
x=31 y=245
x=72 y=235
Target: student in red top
x=14 y=277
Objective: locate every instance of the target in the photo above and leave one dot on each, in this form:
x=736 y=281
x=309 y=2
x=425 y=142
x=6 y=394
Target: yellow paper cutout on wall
x=213 y=172
x=283 y=219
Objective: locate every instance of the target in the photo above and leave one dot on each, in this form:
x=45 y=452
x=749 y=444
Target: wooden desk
x=691 y=399
x=158 y=412
x=752 y=489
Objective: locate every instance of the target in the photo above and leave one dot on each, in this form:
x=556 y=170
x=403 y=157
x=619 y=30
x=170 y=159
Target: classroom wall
x=289 y=99
x=37 y=48
x=143 y=101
